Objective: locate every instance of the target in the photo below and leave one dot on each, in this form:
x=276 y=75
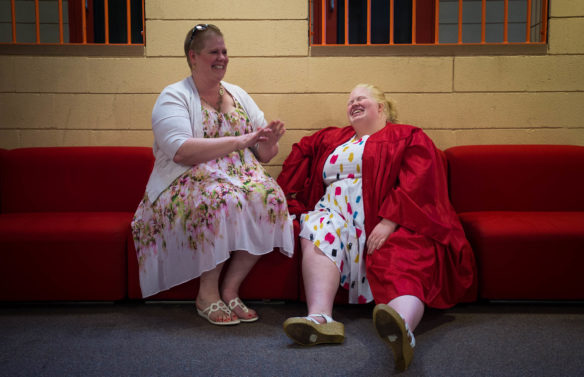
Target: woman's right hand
x=251 y=139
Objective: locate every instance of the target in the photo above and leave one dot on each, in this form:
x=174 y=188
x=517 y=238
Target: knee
x=309 y=249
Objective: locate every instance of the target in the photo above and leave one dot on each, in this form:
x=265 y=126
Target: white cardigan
x=177 y=117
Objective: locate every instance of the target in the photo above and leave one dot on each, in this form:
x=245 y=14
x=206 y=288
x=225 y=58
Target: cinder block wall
x=457 y=100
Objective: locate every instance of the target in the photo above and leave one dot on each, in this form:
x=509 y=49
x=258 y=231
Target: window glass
x=369 y=22
x=71 y=22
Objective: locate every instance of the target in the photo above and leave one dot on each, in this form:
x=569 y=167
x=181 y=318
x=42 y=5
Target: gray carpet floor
x=169 y=339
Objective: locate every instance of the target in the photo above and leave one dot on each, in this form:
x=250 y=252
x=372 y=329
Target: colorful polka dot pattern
x=336 y=225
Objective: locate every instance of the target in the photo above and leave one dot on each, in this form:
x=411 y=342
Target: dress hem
x=183 y=281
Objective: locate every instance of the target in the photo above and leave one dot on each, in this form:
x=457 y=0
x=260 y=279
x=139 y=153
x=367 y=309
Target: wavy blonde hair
x=389 y=106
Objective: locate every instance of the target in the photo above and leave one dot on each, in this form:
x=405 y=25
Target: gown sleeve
x=419 y=200
x=301 y=176
x=295 y=175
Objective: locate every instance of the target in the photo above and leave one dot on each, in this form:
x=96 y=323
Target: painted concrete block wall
x=76 y=100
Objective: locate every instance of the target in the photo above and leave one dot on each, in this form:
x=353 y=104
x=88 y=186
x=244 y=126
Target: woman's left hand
x=267 y=148
x=278 y=130
x=379 y=235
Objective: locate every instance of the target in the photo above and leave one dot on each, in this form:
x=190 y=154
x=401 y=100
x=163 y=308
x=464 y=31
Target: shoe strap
x=326 y=318
x=410 y=334
x=237 y=302
x=217 y=306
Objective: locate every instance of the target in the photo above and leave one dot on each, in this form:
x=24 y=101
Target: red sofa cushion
x=66 y=179
x=63 y=256
x=528 y=255
x=516 y=177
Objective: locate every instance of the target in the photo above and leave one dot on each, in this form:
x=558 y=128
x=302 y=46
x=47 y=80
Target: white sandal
x=307 y=331
x=216 y=307
x=237 y=302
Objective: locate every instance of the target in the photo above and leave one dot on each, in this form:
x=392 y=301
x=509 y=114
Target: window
x=64 y=22
x=418 y=22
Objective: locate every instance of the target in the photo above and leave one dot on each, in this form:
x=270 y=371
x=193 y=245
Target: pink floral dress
x=214 y=208
x=336 y=225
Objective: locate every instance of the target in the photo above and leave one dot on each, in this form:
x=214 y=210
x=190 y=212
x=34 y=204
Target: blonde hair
x=195 y=39
x=389 y=106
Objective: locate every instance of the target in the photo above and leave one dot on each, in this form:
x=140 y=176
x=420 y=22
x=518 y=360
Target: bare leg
x=239 y=267
x=321 y=279
x=209 y=293
x=321 y=282
x=410 y=308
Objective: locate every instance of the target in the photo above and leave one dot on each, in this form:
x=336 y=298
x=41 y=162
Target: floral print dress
x=336 y=225
x=226 y=204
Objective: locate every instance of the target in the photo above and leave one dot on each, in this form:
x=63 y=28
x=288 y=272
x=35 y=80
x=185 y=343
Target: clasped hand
x=268 y=135
x=379 y=235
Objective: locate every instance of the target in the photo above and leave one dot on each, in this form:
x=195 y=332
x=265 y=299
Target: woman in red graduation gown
x=375 y=217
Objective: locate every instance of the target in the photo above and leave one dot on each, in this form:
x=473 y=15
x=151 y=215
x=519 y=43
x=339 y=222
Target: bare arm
x=196 y=150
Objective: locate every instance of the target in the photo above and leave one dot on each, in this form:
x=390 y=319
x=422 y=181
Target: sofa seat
x=63 y=256
x=522 y=208
x=65 y=217
x=528 y=255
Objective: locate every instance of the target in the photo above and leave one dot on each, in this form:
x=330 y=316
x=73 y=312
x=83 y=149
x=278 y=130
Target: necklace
x=219 y=101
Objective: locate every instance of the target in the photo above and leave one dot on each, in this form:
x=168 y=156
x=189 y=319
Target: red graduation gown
x=404 y=180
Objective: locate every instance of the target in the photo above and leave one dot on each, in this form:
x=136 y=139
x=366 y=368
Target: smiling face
x=211 y=62
x=362 y=108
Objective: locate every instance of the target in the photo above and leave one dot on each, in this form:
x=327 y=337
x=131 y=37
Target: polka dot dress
x=336 y=225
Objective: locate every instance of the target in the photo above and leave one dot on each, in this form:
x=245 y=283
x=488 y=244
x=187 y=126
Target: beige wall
x=73 y=100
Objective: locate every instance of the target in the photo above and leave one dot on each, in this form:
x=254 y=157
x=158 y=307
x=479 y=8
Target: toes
x=247 y=315
x=221 y=316
x=252 y=313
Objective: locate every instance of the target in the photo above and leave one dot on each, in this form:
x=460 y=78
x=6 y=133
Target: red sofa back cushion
x=71 y=179
x=516 y=177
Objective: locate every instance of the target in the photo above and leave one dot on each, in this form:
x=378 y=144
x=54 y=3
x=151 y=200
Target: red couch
x=65 y=218
x=64 y=221
x=65 y=224
x=522 y=208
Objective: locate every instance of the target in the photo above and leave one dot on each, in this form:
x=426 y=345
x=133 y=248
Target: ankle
x=321 y=317
x=205 y=301
x=228 y=295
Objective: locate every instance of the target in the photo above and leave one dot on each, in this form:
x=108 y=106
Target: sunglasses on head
x=199 y=27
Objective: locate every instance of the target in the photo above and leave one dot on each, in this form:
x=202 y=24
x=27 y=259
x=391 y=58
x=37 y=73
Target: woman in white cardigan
x=208 y=198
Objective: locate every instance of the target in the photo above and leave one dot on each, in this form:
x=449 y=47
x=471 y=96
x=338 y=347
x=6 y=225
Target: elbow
x=178 y=158
x=262 y=159
x=181 y=155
